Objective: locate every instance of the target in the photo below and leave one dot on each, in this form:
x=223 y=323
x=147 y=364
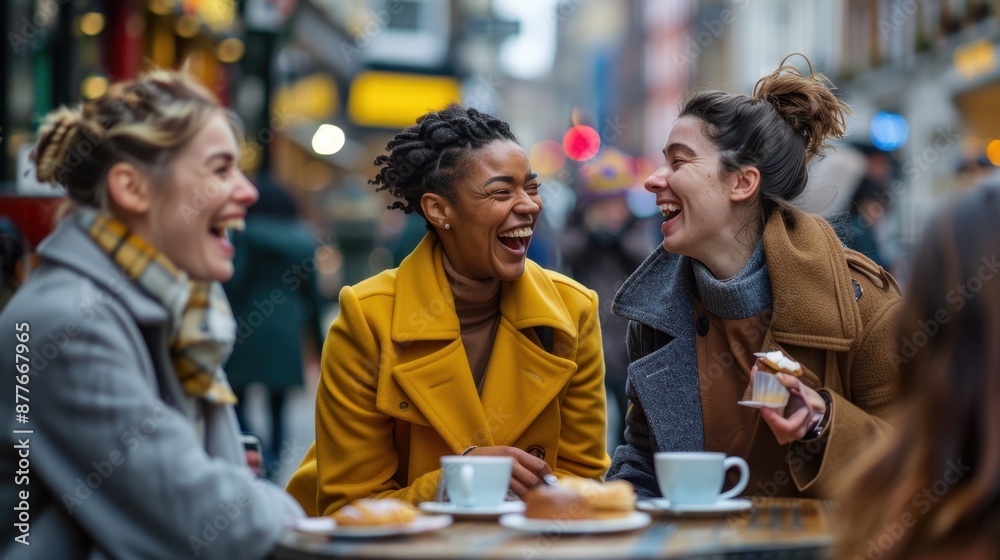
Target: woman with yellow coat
x=467 y=347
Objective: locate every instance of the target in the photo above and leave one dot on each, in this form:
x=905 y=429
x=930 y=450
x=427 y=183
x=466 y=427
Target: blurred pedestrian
x=868 y=206
x=933 y=490
x=741 y=270
x=12 y=252
x=134 y=447
x=277 y=305
x=466 y=348
x=602 y=244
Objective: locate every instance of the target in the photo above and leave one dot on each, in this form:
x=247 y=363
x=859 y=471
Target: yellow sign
x=975 y=59
x=395 y=100
x=311 y=98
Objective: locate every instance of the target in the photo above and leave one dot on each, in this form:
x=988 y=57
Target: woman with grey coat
x=122 y=441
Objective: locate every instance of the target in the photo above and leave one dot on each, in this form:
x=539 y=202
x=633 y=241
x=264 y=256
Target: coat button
x=403 y=406
x=537 y=451
x=702 y=326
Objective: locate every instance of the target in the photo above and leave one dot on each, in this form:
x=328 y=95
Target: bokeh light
x=186 y=26
x=93 y=87
x=328 y=140
x=993 y=152
x=230 y=50
x=581 y=143
x=889 y=131
x=91 y=23
x=546 y=157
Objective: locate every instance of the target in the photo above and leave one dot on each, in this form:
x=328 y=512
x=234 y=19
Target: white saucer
x=328 y=527
x=492 y=512
x=755 y=404
x=518 y=521
x=663 y=505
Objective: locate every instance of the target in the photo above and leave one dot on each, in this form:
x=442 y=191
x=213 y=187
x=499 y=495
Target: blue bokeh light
x=889 y=131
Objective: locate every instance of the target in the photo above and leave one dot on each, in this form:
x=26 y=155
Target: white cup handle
x=729 y=463
x=465 y=482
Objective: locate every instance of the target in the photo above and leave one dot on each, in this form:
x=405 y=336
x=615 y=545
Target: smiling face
x=702 y=213
x=205 y=195
x=493 y=214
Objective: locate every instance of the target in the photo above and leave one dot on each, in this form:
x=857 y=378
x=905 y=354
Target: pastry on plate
x=607 y=500
x=371 y=511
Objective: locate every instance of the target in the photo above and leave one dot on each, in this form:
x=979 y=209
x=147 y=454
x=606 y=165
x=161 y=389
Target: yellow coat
x=397 y=392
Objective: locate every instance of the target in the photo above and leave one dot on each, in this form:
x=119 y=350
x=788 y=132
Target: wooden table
x=778 y=528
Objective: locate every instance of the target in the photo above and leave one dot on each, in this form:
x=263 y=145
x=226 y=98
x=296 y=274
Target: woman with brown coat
x=741 y=271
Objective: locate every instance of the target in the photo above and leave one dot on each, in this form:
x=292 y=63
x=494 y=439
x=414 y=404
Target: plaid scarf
x=203 y=329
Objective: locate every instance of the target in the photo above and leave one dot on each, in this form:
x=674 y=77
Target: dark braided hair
x=430 y=155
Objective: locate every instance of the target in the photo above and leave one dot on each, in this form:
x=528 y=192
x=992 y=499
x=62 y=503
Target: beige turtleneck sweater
x=477 y=303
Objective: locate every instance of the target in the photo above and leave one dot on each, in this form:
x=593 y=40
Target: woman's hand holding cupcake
x=805 y=409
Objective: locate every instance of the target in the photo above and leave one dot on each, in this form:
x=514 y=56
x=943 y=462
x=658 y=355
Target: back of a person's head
x=143 y=121
x=951 y=320
x=778 y=129
x=949 y=359
x=274 y=201
x=867 y=191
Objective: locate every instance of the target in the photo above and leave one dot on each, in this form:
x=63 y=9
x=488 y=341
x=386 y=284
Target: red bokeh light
x=581 y=143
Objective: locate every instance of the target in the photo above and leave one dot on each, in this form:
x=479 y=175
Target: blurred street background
x=590 y=87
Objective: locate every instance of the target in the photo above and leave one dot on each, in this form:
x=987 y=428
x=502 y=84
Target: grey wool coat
x=121 y=462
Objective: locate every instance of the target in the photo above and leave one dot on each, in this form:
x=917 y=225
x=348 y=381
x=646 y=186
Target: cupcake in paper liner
x=767 y=391
x=778 y=362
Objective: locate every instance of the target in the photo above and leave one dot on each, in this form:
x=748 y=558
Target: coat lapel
x=658 y=294
x=432 y=369
x=521 y=381
x=802 y=259
x=523 y=378
x=440 y=386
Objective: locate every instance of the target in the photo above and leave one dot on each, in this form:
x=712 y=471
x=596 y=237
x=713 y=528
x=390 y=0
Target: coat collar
x=813 y=301
x=521 y=380
x=70 y=246
x=425 y=310
x=658 y=293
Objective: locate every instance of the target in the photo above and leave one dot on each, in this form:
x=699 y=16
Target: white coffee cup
x=696 y=478
x=476 y=482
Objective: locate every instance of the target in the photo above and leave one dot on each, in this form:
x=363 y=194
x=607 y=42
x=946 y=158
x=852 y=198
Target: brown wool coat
x=846 y=344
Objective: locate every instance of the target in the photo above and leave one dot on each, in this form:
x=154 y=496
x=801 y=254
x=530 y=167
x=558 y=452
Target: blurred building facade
x=927 y=66
x=323 y=84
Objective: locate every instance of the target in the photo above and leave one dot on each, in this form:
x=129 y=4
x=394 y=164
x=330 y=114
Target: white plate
x=755 y=404
x=663 y=505
x=574 y=526
x=450 y=508
x=328 y=527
